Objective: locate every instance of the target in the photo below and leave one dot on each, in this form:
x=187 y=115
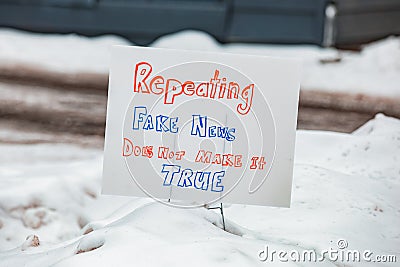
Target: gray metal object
x=329 y=27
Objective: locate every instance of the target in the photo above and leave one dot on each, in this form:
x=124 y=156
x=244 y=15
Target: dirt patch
x=54 y=107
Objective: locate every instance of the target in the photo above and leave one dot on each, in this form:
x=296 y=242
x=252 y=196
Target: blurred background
x=341 y=23
x=54 y=56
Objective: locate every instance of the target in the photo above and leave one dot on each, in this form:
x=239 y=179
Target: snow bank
x=375 y=71
x=65 y=53
x=345 y=186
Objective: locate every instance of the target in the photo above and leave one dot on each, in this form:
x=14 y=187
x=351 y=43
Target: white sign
x=196 y=128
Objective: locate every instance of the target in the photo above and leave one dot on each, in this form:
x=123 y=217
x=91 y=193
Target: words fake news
x=172 y=88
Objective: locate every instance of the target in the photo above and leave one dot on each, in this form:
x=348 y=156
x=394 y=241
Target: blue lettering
x=199 y=125
x=216 y=182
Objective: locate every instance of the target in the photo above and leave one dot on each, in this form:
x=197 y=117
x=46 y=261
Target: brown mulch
x=66 y=105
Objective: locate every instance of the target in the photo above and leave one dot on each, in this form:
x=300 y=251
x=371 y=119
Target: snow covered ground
x=56 y=52
x=346 y=186
x=374 y=71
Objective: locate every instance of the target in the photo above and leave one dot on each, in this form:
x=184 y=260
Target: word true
x=188 y=178
x=171 y=88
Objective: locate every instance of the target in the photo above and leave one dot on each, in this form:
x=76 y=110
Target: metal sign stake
x=222 y=213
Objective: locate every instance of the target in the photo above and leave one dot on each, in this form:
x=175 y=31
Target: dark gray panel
x=354 y=6
x=285 y=21
x=141 y=23
x=359 y=22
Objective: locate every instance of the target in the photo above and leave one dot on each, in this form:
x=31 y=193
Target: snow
x=65 y=53
x=374 y=71
x=345 y=186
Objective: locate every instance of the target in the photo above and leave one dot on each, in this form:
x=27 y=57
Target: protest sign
x=198 y=127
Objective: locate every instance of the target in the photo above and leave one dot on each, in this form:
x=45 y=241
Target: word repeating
x=171 y=88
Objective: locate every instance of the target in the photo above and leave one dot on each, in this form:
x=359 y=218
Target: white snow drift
x=345 y=187
x=375 y=70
